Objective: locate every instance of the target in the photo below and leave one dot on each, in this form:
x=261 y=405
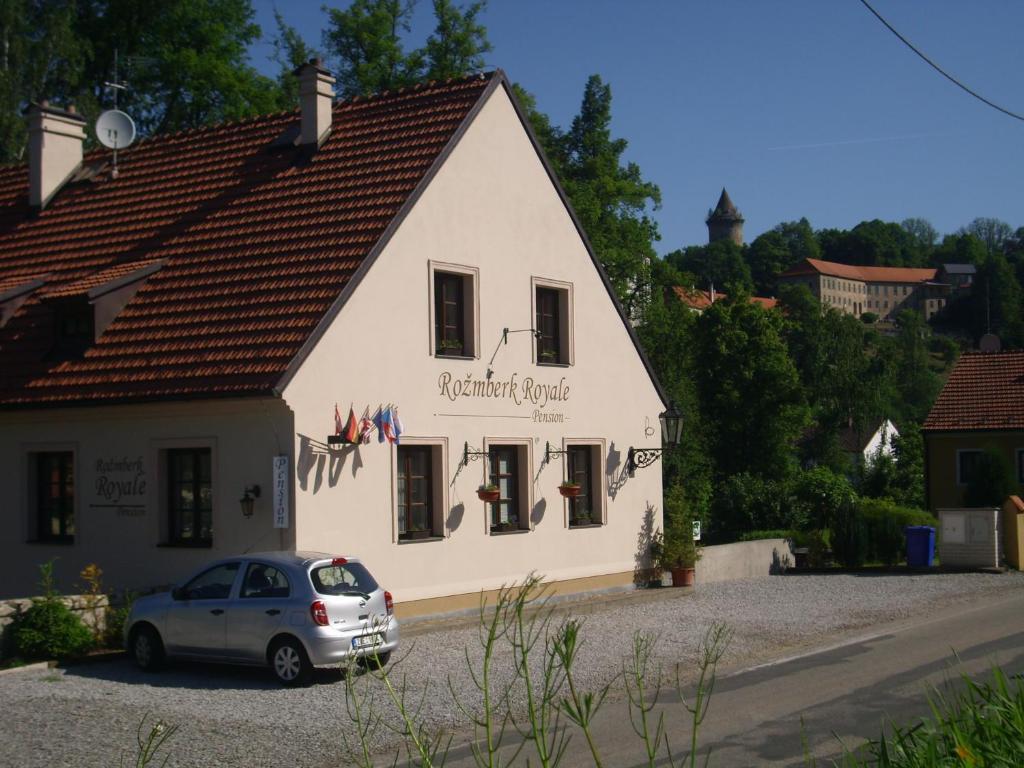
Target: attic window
x=75 y=328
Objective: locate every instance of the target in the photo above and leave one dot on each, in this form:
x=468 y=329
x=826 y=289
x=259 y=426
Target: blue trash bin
x=920 y=545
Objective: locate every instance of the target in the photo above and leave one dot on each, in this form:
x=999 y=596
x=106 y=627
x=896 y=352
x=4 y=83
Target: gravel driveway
x=88 y=715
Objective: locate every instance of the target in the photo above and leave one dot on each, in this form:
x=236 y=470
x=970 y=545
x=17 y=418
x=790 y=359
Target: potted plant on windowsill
x=548 y=356
x=583 y=518
x=569 y=489
x=488 y=492
x=450 y=347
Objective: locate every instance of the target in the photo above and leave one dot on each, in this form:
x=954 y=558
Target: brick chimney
x=55 y=139
x=316 y=96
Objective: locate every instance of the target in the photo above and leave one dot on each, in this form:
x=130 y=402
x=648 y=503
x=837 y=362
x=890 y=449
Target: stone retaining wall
x=743 y=560
x=92 y=611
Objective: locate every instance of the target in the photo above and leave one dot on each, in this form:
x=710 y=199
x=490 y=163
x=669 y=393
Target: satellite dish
x=990 y=343
x=114 y=129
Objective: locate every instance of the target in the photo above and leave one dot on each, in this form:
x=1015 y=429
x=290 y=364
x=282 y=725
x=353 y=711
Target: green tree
x=290 y=52
x=749 y=389
x=996 y=301
x=718 y=264
x=186 y=62
x=611 y=198
x=922 y=231
x=365 y=42
x=916 y=383
x=873 y=243
x=994 y=233
x=775 y=251
x=459 y=41
x=666 y=333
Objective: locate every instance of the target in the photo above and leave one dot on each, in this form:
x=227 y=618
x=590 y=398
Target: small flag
x=389 y=426
x=397 y=423
x=351 y=428
x=378 y=422
x=365 y=426
x=337 y=420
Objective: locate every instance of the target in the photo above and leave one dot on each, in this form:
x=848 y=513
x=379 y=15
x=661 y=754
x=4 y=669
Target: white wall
x=118 y=504
x=491 y=207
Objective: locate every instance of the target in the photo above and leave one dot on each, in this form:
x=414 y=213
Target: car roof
x=291 y=557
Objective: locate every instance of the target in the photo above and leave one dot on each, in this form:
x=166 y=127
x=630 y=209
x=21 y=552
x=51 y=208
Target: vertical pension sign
x=279 y=492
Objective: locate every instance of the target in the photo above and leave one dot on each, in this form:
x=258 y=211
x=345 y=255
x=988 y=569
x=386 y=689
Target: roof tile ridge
x=421 y=85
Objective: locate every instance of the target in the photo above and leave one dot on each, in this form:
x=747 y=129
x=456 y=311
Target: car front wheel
x=289 y=662
x=147 y=649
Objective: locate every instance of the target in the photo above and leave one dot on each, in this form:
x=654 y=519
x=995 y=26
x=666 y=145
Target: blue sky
x=798 y=107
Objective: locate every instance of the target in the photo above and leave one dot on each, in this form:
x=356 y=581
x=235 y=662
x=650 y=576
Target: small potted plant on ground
x=678 y=551
x=488 y=492
x=569 y=489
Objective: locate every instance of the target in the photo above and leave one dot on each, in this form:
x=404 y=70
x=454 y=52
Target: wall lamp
x=248 y=500
x=671 y=435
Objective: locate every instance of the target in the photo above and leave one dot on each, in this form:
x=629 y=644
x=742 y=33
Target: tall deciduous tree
x=459 y=41
x=186 y=61
x=290 y=51
x=365 y=43
x=720 y=264
x=748 y=389
x=611 y=198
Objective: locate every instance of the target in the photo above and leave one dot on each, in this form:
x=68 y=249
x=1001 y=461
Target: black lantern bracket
x=469 y=454
x=550 y=451
x=671 y=435
x=504 y=341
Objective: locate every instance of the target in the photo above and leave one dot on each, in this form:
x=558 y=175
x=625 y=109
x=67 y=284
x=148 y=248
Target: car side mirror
x=177 y=593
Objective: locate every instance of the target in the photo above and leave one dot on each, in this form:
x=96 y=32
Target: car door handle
x=273 y=611
x=217 y=611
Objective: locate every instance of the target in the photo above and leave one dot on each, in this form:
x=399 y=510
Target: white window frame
x=158 y=459
x=524 y=447
x=471 y=316
x=599 y=453
x=439 y=487
x=566 y=310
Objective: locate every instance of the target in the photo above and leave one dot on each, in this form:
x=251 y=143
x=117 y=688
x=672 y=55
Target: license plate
x=366 y=641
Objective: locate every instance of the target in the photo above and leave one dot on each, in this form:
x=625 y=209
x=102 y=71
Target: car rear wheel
x=147 y=649
x=289 y=662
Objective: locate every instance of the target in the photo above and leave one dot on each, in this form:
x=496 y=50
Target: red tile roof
x=697 y=299
x=985 y=390
x=256 y=243
x=865 y=274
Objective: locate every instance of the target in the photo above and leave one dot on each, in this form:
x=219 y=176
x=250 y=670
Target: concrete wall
x=742 y=560
x=120 y=488
x=943 y=488
x=490 y=211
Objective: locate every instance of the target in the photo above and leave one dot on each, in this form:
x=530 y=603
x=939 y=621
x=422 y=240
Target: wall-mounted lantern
x=248 y=500
x=671 y=435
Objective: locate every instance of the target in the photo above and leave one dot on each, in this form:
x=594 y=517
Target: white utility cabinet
x=970 y=538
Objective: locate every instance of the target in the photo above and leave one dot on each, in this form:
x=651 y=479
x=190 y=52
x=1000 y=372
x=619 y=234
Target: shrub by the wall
x=49 y=629
x=884 y=522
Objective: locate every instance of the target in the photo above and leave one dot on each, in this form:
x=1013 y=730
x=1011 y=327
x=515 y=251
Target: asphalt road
x=845 y=691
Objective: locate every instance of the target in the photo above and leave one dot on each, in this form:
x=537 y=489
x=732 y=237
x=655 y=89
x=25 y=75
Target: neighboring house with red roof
x=176 y=337
x=699 y=300
x=882 y=291
x=980 y=408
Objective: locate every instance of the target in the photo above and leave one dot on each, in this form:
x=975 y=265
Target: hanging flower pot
x=488 y=493
x=570 y=490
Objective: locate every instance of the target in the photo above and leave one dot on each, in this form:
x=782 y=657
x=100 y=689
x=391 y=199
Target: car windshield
x=342 y=579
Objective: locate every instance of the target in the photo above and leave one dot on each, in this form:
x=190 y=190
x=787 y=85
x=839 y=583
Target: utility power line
x=937 y=68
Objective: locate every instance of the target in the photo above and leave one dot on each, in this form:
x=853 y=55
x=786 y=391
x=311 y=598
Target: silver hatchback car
x=290 y=610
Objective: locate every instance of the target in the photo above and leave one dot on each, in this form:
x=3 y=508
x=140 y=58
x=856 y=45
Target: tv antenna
x=114 y=128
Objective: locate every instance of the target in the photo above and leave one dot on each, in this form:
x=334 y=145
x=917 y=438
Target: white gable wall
x=490 y=207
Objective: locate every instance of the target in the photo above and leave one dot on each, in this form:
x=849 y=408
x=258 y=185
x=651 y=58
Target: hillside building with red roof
x=980 y=408
x=882 y=291
x=176 y=339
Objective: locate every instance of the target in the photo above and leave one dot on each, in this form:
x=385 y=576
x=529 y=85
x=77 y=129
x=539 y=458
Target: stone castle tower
x=725 y=222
